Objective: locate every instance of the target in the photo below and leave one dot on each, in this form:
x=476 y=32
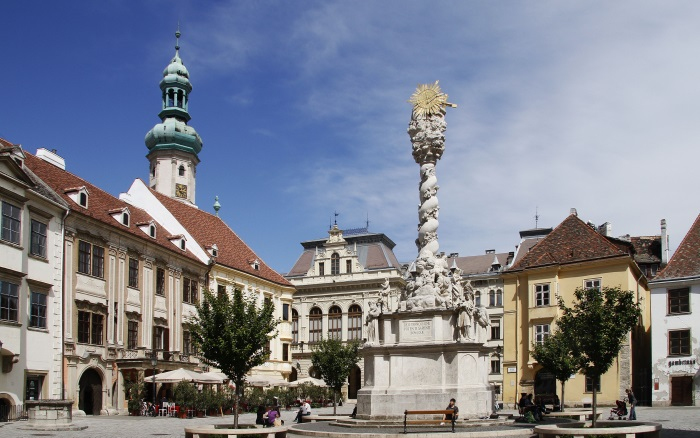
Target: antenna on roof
x=537 y=217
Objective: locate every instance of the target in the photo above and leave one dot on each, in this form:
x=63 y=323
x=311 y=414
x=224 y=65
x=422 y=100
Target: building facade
x=31 y=290
x=336 y=279
x=675 y=304
x=551 y=265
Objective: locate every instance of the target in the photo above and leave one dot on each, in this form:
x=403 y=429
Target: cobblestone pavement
x=678 y=422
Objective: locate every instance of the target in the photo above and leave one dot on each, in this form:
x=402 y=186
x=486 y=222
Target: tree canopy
x=232 y=334
x=596 y=327
x=335 y=360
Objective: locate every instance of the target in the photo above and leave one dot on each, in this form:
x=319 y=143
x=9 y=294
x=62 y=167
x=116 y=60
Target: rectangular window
x=160 y=281
x=348 y=266
x=96 y=332
x=91 y=259
x=98 y=261
x=285 y=352
x=321 y=269
x=295 y=326
x=285 y=312
x=593 y=283
x=589 y=384
x=10 y=223
x=495 y=329
x=33 y=388
x=37 y=317
x=158 y=337
x=84 y=327
x=186 y=343
x=541 y=333
x=679 y=300
x=133 y=272
x=542 y=294
x=9 y=301
x=38 y=239
x=194 y=292
x=679 y=343
x=132 y=335
x=84 y=257
x=185 y=290
x=496 y=365
x=221 y=290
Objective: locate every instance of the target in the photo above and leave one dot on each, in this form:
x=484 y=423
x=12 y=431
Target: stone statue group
x=431 y=285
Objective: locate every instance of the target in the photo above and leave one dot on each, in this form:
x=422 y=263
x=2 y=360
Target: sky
x=302 y=107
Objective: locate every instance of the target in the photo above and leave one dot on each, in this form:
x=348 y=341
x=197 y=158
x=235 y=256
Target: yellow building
x=552 y=265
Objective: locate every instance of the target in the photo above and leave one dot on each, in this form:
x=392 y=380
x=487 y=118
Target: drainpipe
x=517 y=329
x=63 y=304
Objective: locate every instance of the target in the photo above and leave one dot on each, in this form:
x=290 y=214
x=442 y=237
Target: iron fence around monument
x=13 y=413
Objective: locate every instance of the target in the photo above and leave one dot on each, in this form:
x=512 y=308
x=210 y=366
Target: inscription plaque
x=420 y=330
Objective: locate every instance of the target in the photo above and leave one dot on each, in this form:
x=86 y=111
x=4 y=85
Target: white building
x=31 y=260
x=675 y=307
x=336 y=278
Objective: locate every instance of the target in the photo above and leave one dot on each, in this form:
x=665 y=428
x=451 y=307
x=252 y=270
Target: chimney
x=664 y=243
x=50 y=156
x=605 y=229
x=490 y=251
x=573 y=211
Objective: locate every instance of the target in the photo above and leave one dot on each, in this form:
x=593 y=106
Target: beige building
x=31 y=292
x=336 y=278
x=549 y=265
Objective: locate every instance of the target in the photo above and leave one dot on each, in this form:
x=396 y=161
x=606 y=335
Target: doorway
x=90 y=392
x=545 y=383
x=682 y=391
x=354 y=382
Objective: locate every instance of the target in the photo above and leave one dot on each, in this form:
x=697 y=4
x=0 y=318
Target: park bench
x=210 y=430
x=439 y=422
x=576 y=415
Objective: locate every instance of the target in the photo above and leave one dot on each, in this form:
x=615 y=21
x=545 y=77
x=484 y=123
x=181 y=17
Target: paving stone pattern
x=678 y=422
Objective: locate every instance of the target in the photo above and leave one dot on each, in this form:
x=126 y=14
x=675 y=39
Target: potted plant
x=135 y=391
x=185 y=394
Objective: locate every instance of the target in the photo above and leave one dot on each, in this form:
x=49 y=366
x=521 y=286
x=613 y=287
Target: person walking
x=632 y=400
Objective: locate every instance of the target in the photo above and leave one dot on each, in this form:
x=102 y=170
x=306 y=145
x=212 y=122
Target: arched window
x=335 y=322
x=179 y=98
x=492 y=298
x=181 y=170
x=125 y=219
x=171 y=97
x=83 y=199
x=315 y=327
x=477 y=298
x=499 y=298
x=152 y=231
x=295 y=326
x=354 y=323
x=335 y=264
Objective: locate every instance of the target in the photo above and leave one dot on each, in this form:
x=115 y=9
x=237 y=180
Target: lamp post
x=154 y=362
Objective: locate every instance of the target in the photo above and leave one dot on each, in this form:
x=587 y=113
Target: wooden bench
x=440 y=422
x=271 y=432
x=576 y=415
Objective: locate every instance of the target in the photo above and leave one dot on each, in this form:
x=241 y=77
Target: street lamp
x=154 y=362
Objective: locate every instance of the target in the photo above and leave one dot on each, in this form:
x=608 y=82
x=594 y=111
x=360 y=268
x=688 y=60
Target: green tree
x=596 y=327
x=554 y=355
x=232 y=335
x=335 y=360
x=135 y=391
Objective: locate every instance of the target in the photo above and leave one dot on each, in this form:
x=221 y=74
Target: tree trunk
x=335 y=397
x=595 y=402
x=236 y=400
x=561 y=402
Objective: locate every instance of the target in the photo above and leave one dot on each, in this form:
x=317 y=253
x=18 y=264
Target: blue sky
x=303 y=110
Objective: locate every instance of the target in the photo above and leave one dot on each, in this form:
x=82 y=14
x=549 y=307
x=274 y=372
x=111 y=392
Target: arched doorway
x=90 y=392
x=5 y=407
x=354 y=382
x=545 y=383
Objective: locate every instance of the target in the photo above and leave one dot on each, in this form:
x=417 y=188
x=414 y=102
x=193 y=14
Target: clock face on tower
x=180 y=190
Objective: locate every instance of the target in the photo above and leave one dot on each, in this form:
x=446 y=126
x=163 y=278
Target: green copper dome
x=173 y=133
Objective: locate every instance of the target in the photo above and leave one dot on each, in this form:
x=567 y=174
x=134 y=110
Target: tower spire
x=177 y=40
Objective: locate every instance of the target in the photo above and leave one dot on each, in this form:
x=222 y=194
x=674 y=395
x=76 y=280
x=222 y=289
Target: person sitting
x=451 y=407
x=303 y=411
x=259 y=415
x=529 y=405
x=273 y=417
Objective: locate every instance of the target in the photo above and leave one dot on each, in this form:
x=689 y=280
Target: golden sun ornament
x=429 y=99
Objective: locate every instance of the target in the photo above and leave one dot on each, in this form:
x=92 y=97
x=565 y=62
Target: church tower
x=172 y=144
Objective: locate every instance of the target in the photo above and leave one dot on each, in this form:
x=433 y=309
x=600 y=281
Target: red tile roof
x=100 y=203
x=208 y=229
x=479 y=264
x=571 y=242
x=686 y=260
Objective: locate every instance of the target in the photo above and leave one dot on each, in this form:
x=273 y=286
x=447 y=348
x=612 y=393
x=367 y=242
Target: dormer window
x=178 y=240
x=121 y=215
x=255 y=264
x=181 y=170
x=79 y=195
x=148 y=228
x=213 y=250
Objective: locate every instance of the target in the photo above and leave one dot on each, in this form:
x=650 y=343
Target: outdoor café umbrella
x=312 y=380
x=181 y=374
x=265 y=381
